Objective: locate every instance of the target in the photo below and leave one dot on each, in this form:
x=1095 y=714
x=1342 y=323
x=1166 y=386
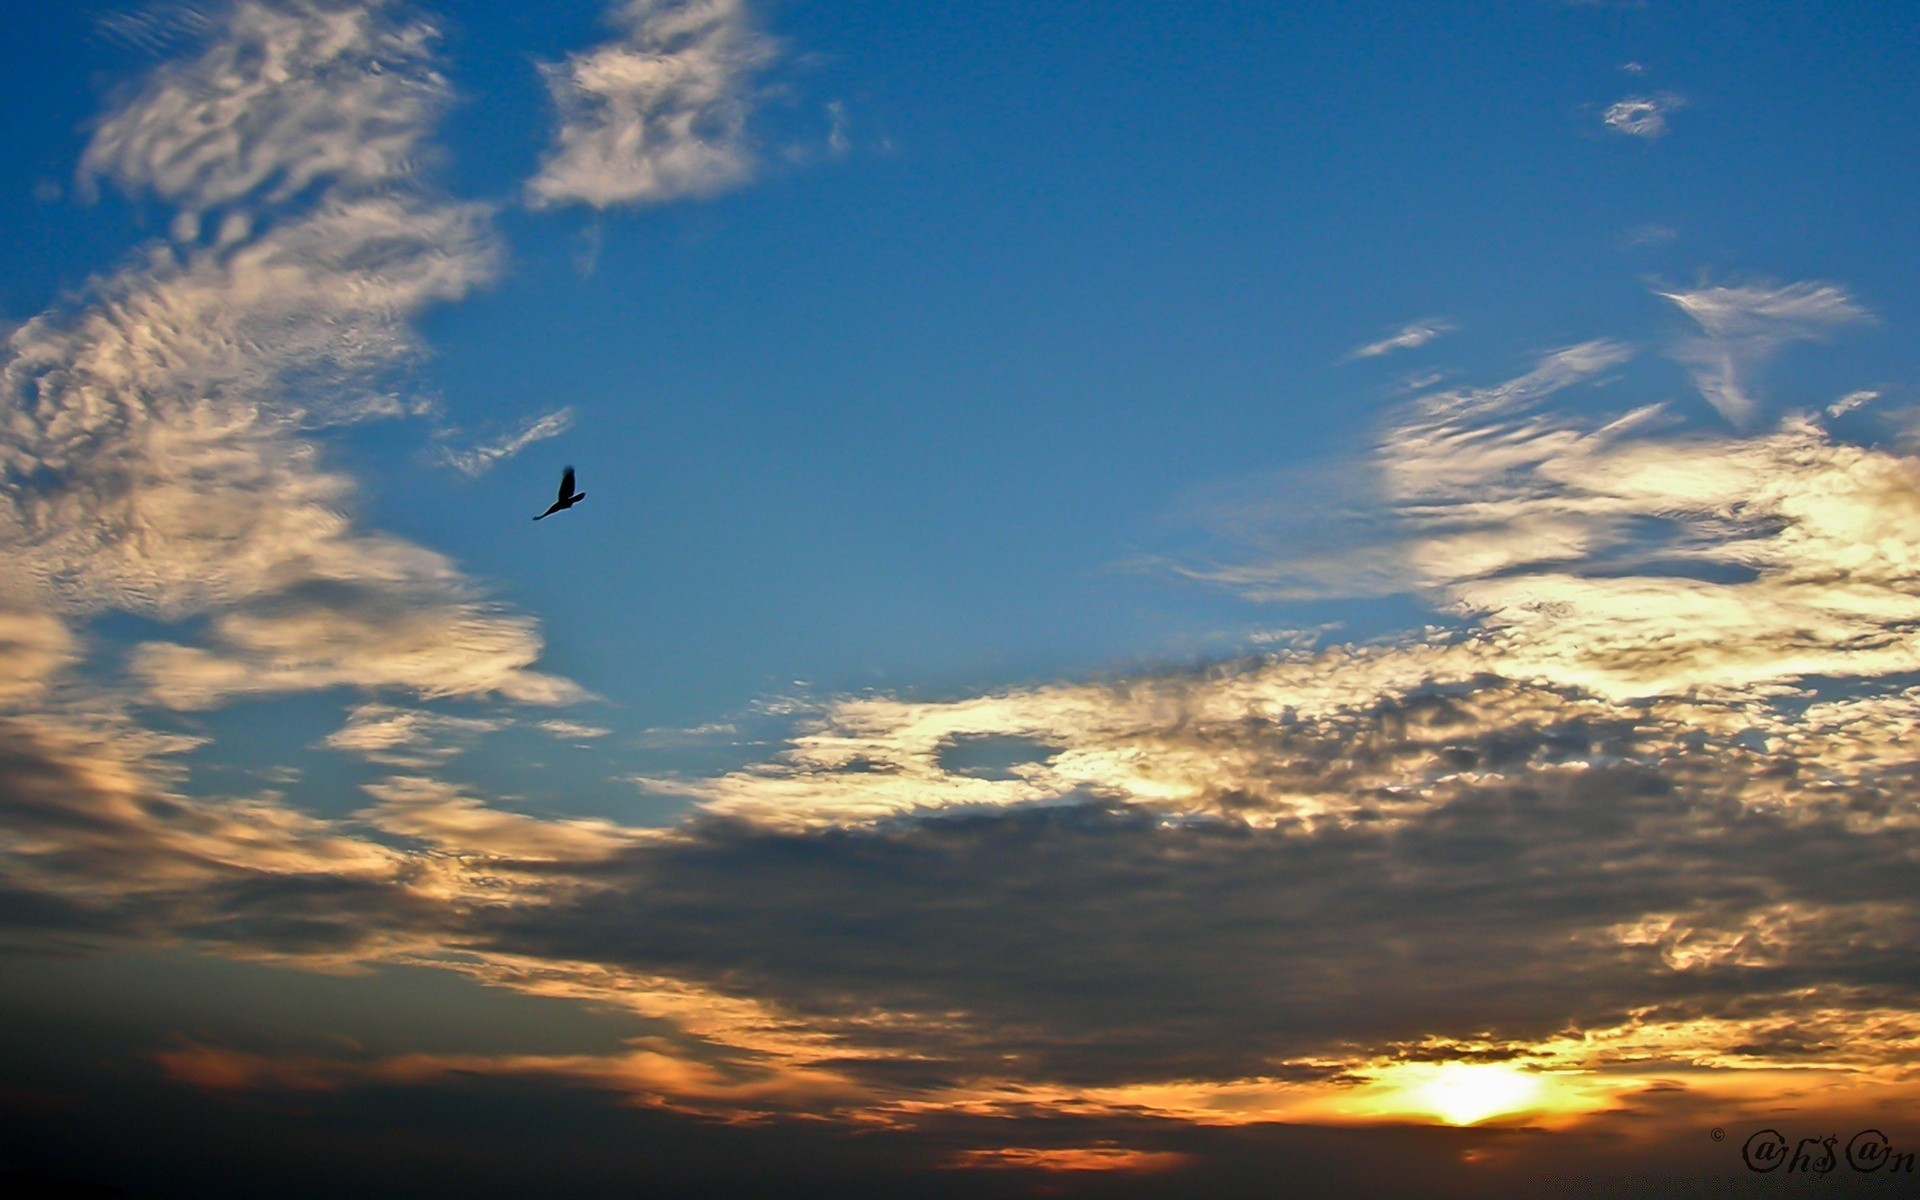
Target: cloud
x=1414 y=334
x=155 y=29
x=285 y=96
x=1527 y=842
x=1646 y=813
x=1477 y=868
x=837 y=143
x=1642 y=116
x=99 y=847
x=478 y=460
x=407 y=737
x=727 y=1090
x=1069 y=1158
x=573 y=731
x=355 y=637
x=1741 y=327
x=1363 y=541
x=1365 y=811
x=155 y=429
x=157 y=448
x=1851 y=401
x=1622 y=553
x=1648 y=235
x=436 y=813
x=34 y=647
x=659 y=114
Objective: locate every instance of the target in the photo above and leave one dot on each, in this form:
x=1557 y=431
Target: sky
x=1172 y=599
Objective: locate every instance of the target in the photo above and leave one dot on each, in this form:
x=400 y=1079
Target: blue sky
x=1215 y=435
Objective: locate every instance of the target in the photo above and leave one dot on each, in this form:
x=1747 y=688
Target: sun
x=1466 y=1093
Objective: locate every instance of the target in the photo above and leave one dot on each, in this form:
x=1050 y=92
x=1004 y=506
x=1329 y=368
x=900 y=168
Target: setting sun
x=1464 y=1093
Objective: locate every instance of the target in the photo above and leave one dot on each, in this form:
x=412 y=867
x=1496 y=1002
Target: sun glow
x=1465 y=1093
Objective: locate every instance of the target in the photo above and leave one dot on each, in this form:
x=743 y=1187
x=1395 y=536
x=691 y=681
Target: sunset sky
x=1173 y=599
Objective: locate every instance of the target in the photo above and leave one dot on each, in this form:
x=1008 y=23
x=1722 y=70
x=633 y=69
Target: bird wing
x=566 y=483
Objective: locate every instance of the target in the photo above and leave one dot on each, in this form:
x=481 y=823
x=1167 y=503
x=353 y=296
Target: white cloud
x=34 y=647
x=1851 y=401
x=1413 y=334
x=1741 y=327
x=287 y=95
x=573 y=731
x=440 y=646
x=1627 y=555
x=154 y=438
x=409 y=737
x=479 y=459
x=837 y=143
x=1642 y=116
x=660 y=113
x=1648 y=235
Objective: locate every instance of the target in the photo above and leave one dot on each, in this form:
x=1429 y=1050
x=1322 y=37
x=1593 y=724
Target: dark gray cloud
x=1098 y=945
x=1511 y=862
x=98 y=850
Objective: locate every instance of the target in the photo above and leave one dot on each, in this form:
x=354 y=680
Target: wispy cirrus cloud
x=1626 y=553
x=1741 y=328
x=573 y=731
x=659 y=113
x=477 y=460
x=408 y=737
x=1642 y=116
x=1410 y=336
x=1851 y=401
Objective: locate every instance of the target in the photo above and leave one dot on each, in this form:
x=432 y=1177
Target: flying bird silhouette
x=568 y=497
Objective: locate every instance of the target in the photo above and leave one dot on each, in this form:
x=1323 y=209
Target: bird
x=568 y=497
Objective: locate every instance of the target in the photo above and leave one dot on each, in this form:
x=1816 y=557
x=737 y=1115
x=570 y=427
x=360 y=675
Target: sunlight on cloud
x=1741 y=327
x=407 y=737
x=1069 y=1158
x=95 y=832
x=156 y=450
x=447 y=646
x=480 y=459
x=34 y=646
x=288 y=95
x=1851 y=401
x=573 y=731
x=1413 y=335
x=1627 y=553
x=437 y=813
x=659 y=114
x=1642 y=116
